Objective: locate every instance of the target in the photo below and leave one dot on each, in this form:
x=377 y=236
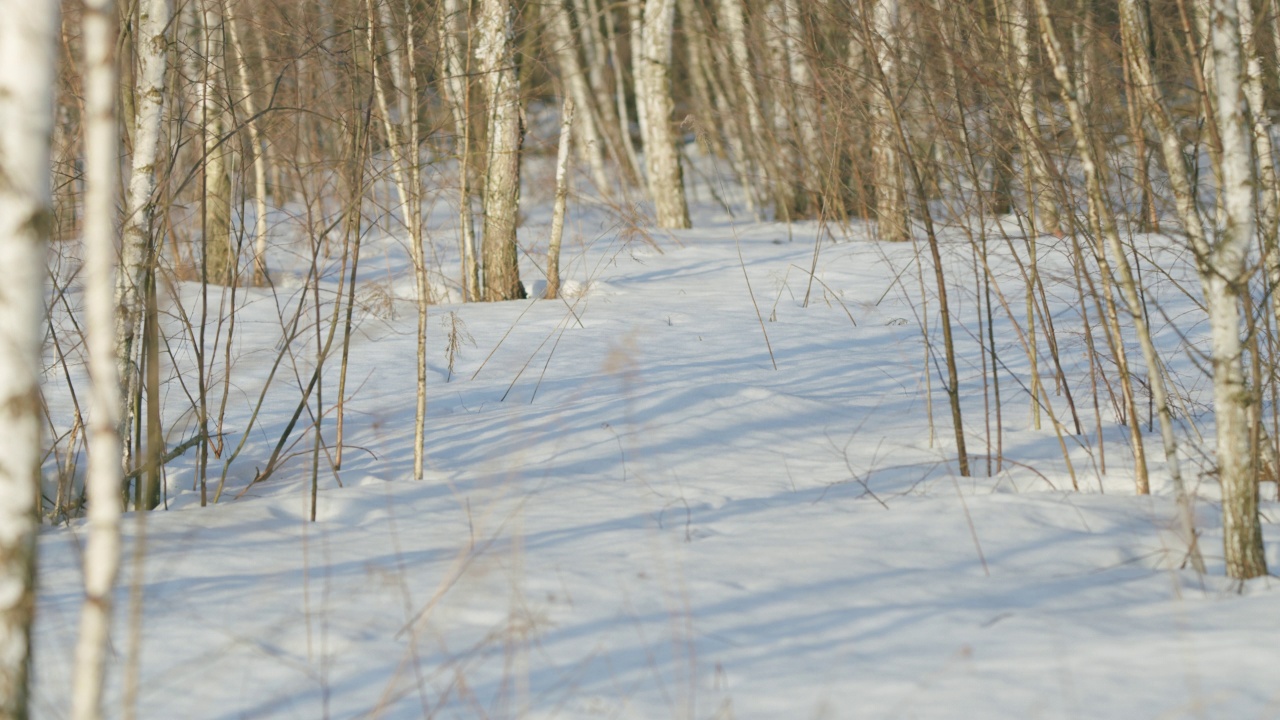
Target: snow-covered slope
x=631 y=512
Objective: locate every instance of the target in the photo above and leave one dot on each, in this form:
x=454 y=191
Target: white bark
x=1102 y=224
x=151 y=51
x=1134 y=32
x=805 y=110
x=259 y=152
x=632 y=165
x=720 y=119
x=635 y=19
x=653 y=93
x=1223 y=283
x=421 y=280
x=28 y=39
x=562 y=198
x=102 y=484
x=1254 y=93
x=220 y=259
x=407 y=176
x=746 y=103
x=453 y=17
x=590 y=140
x=1040 y=199
x=890 y=185
x=496 y=53
x=396 y=59
x=597 y=56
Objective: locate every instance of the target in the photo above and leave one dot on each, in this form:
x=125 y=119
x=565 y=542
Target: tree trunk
x=102 y=483
x=219 y=253
x=890 y=185
x=804 y=111
x=1101 y=225
x=590 y=140
x=1223 y=282
x=653 y=93
x=152 y=52
x=745 y=102
x=1041 y=204
x=457 y=95
x=259 y=151
x=562 y=197
x=28 y=40
x=496 y=53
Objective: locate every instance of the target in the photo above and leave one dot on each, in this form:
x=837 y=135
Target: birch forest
x=197 y=197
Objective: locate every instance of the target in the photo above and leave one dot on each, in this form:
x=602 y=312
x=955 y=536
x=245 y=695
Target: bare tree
x=151 y=50
x=562 y=197
x=456 y=92
x=653 y=98
x=28 y=40
x=219 y=253
x=590 y=140
x=496 y=53
x=890 y=185
x=102 y=551
x=1224 y=273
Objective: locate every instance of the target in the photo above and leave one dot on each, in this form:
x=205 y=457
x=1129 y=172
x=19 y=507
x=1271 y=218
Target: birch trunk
x=745 y=102
x=1101 y=224
x=632 y=169
x=496 y=54
x=590 y=140
x=1223 y=283
x=635 y=24
x=1104 y=227
x=422 y=283
x=805 y=113
x=102 y=484
x=602 y=110
x=28 y=41
x=1268 y=186
x=151 y=51
x=653 y=93
x=890 y=185
x=1041 y=204
x=1133 y=26
x=259 y=152
x=713 y=97
x=220 y=261
x=407 y=176
x=457 y=94
x=562 y=197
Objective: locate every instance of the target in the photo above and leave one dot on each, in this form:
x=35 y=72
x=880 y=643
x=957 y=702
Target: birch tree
x=457 y=94
x=496 y=53
x=653 y=98
x=744 y=96
x=259 y=149
x=890 y=185
x=1103 y=224
x=561 y=201
x=590 y=140
x=102 y=485
x=219 y=255
x=28 y=40
x=1041 y=204
x=1224 y=274
x=804 y=110
x=151 y=51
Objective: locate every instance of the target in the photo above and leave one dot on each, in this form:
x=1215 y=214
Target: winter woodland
x=658 y=358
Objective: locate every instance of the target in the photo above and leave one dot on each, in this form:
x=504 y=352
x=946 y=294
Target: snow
x=629 y=512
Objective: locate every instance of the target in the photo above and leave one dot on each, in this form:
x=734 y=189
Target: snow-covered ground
x=630 y=512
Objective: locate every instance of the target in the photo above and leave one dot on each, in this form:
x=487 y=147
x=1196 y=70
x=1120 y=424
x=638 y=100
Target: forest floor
x=680 y=492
